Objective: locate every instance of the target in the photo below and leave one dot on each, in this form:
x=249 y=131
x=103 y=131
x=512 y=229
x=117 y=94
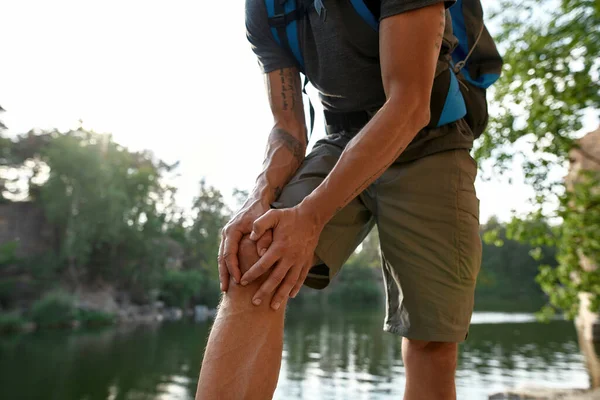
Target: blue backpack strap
x=474 y=43
x=454 y=107
x=283 y=17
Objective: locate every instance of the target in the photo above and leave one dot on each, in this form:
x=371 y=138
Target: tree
x=550 y=81
x=107 y=205
x=2 y=126
x=507 y=277
x=210 y=214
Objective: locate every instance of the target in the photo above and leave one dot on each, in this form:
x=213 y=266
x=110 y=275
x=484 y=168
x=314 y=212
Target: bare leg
x=243 y=355
x=430 y=369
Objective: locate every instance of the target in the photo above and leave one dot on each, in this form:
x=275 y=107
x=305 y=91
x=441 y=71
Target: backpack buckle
x=278 y=21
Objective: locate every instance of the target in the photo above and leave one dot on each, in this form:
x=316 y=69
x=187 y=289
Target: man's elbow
x=415 y=109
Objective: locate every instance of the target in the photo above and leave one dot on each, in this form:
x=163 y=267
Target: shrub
x=178 y=287
x=209 y=294
x=55 y=309
x=358 y=285
x=95 y=317
x=11 y=322
x=8 y=253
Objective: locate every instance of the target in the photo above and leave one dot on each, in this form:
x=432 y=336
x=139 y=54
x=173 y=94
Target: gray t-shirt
x=341 y=58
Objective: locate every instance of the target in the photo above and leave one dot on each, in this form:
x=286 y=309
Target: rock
x=28 y=327
x=547 y=394
x=189 y=312
x=202 y=313
x=173 y=314
x=159 y=305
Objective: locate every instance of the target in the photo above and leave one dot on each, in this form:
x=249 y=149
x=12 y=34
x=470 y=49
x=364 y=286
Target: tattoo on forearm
x=288 y=89
x=440 y=35
x=293 y=144
x=284 y=91
x=290 y=93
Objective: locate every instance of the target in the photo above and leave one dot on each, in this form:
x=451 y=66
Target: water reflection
x=328 y=354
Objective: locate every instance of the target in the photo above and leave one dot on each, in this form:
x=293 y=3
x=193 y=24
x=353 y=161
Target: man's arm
x=286 y=148
x=409 y=49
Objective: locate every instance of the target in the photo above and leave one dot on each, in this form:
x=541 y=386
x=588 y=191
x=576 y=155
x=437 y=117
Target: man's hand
x=295 y=237
x=240 y=225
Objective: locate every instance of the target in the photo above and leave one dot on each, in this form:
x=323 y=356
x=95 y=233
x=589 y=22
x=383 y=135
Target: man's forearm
x=365 y=158
x=407 y=70
x=286 y=149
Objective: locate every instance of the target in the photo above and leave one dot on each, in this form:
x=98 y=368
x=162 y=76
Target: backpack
x=459 y=92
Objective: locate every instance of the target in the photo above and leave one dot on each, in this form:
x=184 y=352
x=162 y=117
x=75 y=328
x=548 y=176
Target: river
x=329 y=353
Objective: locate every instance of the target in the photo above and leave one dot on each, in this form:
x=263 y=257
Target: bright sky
x=174 y=77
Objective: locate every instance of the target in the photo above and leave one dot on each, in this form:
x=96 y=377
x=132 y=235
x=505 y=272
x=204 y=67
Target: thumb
x=261 y=225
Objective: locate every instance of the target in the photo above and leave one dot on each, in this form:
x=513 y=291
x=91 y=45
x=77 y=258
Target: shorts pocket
x=469 y=246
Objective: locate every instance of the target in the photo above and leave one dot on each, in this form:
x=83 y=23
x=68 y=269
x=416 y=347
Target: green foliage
x=95 y=318
x=2 y=126
x=105 y=201
x=508 y=271
x=178 y=287
x=550 y=80
x=11 y=322
x=360 y=280
x=114 y=218
x=189 y=287
x=210 y=215
x=580 y=243
x=55 y=309
x=358 y=284
x=8 y=253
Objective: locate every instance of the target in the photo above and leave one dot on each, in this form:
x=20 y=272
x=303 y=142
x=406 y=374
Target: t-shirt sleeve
x=271 y=56
x=393 y=7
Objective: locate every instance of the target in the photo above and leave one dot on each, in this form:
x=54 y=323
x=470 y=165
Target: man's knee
x=442 y=354
x=247 y=254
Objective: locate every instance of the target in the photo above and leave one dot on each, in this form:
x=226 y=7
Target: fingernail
x=235 y=280
x=222 y=288
x=276 y=306
x=293 y=295
x=262 y=252
x=253 y=236
x=256 y=302
x=244 y=283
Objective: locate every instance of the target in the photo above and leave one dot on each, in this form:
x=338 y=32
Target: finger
x=273 y=281
x=300 y=281
x=267 y=221
x=263 y=265
x=230 y=251
x=262 y=245
x=283 y=291
x=223 y=272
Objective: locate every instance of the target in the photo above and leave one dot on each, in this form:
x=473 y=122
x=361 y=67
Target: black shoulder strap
x=375 y=7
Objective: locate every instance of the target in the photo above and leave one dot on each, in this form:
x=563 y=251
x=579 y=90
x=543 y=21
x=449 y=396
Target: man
x=306 y=216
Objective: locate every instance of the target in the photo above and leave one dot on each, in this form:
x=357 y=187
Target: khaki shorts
x=427 y=214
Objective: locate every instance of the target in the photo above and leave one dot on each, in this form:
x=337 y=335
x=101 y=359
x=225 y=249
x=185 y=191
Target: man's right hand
x=232 y=234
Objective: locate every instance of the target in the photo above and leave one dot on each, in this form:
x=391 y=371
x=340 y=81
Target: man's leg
x=430 y=369
x=431 y=250
x=243 y=355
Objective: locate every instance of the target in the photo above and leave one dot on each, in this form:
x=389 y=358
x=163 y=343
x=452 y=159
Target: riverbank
x=89 y=308
x=547 y=394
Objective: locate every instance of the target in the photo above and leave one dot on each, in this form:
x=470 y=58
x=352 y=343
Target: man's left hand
x=290 y=256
